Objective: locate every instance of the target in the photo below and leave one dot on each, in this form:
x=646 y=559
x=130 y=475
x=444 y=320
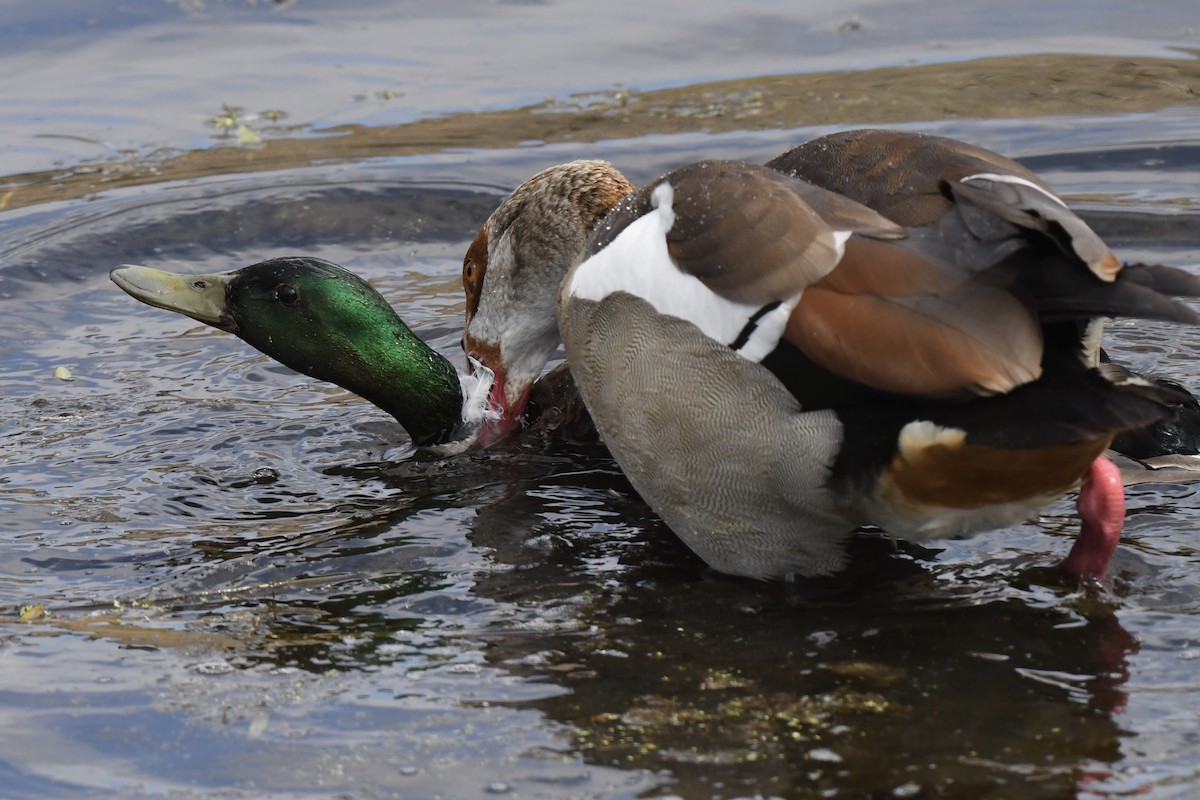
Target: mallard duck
x=323 y=321
x=812 y=365
x=1174 y=441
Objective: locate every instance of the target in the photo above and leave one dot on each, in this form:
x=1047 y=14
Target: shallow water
x=221 y=579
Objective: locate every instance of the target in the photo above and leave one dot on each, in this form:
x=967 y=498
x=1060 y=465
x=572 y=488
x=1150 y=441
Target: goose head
x=512 y=271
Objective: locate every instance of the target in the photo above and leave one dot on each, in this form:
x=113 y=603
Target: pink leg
x=1102 y=511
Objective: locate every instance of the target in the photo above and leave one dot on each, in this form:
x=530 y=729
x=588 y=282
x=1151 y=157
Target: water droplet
x=266 y=475
x=218 y=667
x=824 y=754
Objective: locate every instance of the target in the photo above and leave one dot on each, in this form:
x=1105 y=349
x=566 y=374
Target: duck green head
x=321 y=320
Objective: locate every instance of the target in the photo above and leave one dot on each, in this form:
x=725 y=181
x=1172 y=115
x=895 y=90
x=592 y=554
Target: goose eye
x=469 y=270
x=287 y=294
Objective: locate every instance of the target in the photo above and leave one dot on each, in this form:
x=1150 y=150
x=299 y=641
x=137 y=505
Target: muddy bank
x=1006 y=88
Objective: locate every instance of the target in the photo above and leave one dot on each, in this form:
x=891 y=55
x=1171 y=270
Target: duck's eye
x=469 y=270
x=287 y=294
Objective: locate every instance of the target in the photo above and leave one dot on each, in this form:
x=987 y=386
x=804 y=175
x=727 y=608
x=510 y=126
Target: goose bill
x=503 y=419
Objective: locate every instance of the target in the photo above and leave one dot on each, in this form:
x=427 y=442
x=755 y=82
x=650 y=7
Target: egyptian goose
x=945 y=370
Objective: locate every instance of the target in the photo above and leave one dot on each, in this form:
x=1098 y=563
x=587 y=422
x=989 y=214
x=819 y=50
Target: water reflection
x=880 y=680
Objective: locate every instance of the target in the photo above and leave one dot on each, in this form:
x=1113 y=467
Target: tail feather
x=1177 y=433
x=1161 y=278
x=1059 y=412
x=1140 y=291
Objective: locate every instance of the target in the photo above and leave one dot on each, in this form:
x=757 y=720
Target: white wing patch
x=637 y=262
x=999 y=178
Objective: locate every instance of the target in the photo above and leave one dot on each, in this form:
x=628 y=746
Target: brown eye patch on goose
x=474 y=266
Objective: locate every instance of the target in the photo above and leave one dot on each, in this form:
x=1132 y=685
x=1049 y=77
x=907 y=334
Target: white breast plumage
x=637 y=263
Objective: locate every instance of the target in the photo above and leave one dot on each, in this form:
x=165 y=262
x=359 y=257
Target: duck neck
x=387 y=365
x=421 y=389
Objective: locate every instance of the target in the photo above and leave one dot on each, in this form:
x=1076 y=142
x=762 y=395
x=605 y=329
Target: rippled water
x=221 y=579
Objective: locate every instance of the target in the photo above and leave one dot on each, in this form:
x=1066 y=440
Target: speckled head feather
x=515 y=264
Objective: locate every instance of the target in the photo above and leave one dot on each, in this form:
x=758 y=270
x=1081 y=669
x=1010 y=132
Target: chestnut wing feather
x=755 y=236
x=893 y=314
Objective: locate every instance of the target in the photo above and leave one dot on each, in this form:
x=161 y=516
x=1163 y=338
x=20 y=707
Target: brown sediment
x=1002 y=87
